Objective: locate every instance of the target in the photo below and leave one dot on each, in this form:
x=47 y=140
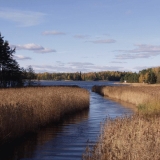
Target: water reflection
x=48 y=135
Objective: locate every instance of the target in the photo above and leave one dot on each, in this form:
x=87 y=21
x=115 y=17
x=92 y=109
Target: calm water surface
x=68 y=140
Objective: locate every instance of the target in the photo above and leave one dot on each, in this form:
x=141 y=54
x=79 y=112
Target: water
x=68 y=140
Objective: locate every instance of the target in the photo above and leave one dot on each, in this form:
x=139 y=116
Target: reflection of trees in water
x=25 y=148
x=19 y=148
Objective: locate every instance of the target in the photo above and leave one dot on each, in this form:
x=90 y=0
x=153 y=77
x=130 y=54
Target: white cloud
x=22 y=18
x=101 y=41
x=53 y=33
x=45 y=50
x=142 y=51
x=33 y=47
x=144 y=48
x=133 y=56
x=21 y=57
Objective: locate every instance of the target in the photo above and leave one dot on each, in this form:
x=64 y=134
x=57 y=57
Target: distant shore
x=137 y=84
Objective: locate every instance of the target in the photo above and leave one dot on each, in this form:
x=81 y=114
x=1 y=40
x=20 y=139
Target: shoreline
x=128 y=93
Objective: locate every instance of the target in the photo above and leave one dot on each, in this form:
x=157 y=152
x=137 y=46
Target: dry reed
x=131 y=94
x=23 y=110
x=130 y=138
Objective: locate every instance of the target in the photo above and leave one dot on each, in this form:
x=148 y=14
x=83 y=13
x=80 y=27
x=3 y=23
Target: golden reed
x=135 y=137
x=23 y=110
x=127 y=138
x=131 y=94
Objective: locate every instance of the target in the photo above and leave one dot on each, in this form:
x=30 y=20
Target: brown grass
x=130 y=138
x=25 y=109
x=131 y=94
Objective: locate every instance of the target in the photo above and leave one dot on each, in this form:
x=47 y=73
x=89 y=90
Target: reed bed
x=24 y=110
x=127 y=138
x=135 y=137
x=131 y=94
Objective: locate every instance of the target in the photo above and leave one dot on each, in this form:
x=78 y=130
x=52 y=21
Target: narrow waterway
x=68 y=139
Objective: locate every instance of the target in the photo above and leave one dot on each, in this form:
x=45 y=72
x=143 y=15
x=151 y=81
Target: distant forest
x=93 y=76
x=151 y=75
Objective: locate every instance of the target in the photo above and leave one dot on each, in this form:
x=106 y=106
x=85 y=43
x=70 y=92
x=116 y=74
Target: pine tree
x=151 y=78
x=31 y=75
x=10 y=72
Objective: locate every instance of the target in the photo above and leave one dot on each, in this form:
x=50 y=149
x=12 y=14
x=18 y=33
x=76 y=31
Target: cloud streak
x=53 y=33
x=142 y=51
x=33 y=47
x=102 y=41
x=22 y=18
x=21 y=57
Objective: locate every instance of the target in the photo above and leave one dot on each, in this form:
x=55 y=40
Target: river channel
x=68 y=139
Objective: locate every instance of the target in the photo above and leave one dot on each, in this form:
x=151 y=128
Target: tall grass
x=130 y=138
x=23 y=110
x=144 y=97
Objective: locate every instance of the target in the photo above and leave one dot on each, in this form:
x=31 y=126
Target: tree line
x=78 y=76
x=150 y=75
x=12 y=75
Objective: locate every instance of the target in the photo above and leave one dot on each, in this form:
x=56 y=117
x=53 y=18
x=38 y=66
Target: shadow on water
x=68 y=139
x=26 y=146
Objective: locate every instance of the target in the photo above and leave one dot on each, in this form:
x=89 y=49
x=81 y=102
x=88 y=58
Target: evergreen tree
x=10 y=72
x=158 y=77
x=30 y=75
x=151 y=78
x=80 y=76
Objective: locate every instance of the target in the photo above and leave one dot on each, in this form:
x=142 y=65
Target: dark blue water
x=68 y=140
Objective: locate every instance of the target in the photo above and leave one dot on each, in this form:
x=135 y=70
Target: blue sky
x=84 y=35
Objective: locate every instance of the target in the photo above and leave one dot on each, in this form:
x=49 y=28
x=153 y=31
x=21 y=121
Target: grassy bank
x=128 y=138
x=25 y=109
x=144 y=97
x=131 y=138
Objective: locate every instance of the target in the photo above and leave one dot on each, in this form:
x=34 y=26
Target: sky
x=83 y=35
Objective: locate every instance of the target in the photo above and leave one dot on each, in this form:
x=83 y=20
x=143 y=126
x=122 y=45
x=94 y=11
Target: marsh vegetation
x=24 y=110
x=135 y=137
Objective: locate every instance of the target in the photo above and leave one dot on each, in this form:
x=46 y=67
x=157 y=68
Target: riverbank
x=135 y=137
x=24 y=110
x=137 y=84
x=131 y=94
